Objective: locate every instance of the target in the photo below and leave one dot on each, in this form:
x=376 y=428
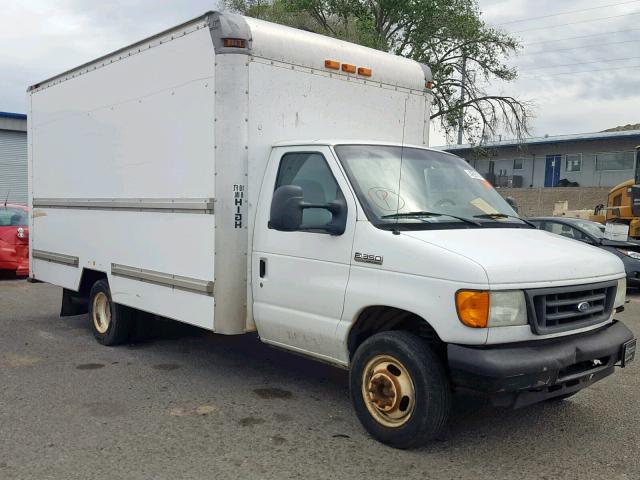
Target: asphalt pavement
x=185 y=404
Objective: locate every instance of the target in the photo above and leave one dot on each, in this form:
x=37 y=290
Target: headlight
x=481 y=309
x=507 y=309
x=621 y=293
x=629 y=253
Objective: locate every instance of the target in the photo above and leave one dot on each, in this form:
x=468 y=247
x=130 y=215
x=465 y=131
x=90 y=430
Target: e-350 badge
x=368 y=258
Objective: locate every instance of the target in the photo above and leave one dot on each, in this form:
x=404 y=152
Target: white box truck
x=184 y=176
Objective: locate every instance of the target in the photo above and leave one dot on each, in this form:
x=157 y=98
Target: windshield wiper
x=504 y=215
x=422 y=213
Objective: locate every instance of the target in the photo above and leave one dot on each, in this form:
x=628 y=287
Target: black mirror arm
x=334 y=207
x=288 y=204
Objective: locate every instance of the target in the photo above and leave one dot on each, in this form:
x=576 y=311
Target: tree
x=464 y=53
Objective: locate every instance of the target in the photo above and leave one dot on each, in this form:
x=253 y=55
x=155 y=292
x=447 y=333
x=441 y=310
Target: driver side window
x=310 y=171
x=564 y=230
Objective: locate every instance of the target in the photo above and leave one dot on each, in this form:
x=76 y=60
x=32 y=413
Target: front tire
x=110 y=323
x=399 y=389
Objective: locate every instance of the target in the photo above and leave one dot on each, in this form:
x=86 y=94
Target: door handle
x=263 y=267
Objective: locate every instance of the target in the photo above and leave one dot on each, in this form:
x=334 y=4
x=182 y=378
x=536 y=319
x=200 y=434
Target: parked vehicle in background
x=395 y=261
x=593 y=234
x=623 y=204
x=14 y=239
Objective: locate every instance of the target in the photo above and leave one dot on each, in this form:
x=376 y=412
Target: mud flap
x=73 y=303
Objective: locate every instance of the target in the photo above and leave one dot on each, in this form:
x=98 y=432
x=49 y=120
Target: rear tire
x=110 y=323
x=399 y=389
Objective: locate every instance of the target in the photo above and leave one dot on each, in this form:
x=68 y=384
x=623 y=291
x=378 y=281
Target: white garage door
x=13 y=166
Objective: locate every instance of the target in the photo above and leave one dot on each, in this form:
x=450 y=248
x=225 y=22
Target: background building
x=585 y=160
x=13 y=157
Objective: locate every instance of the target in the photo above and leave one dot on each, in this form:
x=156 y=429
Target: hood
x=525 y=255
x=620 y=244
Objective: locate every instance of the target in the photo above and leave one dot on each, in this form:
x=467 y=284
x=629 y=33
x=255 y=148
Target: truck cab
x=362 y=248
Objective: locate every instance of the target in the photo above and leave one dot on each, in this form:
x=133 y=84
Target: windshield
x=13 y=217
x=592 y=228
x=433 y=188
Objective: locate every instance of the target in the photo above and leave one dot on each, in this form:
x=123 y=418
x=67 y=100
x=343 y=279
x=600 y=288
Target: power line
x=577 y=48
x=567 y=13
x=582 y=36
x=579 y=63
x=580 y=71
x=575 y=23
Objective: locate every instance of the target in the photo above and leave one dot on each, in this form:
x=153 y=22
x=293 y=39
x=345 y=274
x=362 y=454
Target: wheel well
x=77 y=303
x=89 y=277
x=378 y=319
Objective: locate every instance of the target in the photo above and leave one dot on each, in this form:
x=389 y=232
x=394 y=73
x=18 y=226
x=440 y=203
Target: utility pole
x=463 y=83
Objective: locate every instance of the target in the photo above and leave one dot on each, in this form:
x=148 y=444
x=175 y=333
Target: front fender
x=429 y=298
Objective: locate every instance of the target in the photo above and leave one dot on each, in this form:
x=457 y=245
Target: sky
x=577 y=85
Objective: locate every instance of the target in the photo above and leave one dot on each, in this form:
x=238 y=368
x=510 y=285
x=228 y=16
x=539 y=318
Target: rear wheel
x=110 y=323
x=399 y=389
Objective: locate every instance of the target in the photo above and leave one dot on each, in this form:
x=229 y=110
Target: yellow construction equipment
x=623 y=203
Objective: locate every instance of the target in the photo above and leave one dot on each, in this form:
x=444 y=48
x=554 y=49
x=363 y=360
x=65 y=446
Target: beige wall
x=534 y=202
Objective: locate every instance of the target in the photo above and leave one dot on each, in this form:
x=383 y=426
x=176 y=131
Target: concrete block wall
x=533 y=202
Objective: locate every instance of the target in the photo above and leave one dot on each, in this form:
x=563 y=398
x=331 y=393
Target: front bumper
x=633 y=279
x=632 y=269
x=515 y=375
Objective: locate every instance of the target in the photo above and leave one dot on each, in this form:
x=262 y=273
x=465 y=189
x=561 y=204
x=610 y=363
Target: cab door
x=299 y=278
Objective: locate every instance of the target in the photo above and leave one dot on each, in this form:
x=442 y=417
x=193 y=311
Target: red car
x=14 y=238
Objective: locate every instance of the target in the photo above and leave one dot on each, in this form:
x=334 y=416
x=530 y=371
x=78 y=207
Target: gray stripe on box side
x=55 y=257
x=194 y=285
x=169 y=205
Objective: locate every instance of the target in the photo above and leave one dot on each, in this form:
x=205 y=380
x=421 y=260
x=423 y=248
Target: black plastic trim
x=539 y=368
x=533 y=314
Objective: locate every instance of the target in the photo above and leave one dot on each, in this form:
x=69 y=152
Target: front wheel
x=399 y=389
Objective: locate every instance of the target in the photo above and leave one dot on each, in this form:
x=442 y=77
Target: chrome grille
x=568 y=308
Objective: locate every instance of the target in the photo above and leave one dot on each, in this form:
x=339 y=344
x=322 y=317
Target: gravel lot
x=186 y=404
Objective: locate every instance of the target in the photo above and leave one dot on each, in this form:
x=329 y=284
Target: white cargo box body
x=146 y=164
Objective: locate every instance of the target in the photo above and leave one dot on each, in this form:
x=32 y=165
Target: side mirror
x=288 y=205
x=512 y=203
x=286 y=208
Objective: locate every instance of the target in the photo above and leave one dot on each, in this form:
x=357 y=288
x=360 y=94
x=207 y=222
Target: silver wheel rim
x=388 y=391
x=101 y=312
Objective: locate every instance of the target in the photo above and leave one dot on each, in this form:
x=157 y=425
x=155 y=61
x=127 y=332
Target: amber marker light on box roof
x=332 y=64
x=347 y=67
x=234 y=43
x=364 y=71
x=473 y=307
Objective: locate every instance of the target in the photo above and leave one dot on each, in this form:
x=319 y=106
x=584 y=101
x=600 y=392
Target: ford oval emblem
x=583 y=306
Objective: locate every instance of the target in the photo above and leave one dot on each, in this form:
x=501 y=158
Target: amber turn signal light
x=332 y=64
x=429 y=85
x=473 y=308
